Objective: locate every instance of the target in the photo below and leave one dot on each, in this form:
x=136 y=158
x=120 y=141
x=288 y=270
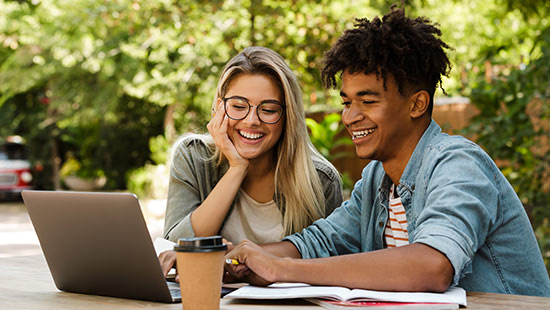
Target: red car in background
x=15 y=169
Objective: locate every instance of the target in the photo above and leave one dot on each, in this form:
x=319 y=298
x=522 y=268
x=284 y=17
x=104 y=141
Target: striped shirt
x=396 y=233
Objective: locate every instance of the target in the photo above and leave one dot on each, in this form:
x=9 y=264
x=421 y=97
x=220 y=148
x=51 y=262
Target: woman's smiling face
x=253 y=138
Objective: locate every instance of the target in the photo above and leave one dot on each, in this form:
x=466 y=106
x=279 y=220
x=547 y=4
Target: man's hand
x=256 y=265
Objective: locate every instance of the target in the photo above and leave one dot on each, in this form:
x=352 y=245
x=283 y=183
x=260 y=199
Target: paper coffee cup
x=200 y=268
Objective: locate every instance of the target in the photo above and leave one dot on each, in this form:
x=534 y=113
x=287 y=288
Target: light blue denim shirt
x=458 y=202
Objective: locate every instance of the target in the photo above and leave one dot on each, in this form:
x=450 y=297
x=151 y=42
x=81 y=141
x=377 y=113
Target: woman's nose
x=252 y=117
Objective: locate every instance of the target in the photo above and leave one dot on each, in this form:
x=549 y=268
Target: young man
x=431 y=210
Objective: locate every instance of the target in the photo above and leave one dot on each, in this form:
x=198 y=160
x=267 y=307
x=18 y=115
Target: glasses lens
x=270 y=112
x=236 y=108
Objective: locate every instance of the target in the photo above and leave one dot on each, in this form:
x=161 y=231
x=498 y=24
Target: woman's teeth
x=252 y=136
x=362 y=133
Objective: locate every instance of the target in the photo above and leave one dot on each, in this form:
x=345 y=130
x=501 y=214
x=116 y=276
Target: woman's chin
x=252 y=153
x=249 y=155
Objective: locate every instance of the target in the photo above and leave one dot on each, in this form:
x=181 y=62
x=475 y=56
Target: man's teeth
x=362 y=133
x=252 y=136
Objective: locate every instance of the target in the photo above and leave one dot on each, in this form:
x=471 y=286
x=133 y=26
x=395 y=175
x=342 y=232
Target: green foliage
x=97 y=77
x=324 y=136
x=506 y=131
x=73 y=167
x=89 y=58
x=160 y=149
x=151 y=180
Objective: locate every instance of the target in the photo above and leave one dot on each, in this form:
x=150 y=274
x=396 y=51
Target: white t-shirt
x=257 y=222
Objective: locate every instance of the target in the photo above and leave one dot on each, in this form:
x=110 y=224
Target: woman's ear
x=419 y=103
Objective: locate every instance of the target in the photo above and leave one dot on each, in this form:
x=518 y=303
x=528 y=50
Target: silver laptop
x=98 y=243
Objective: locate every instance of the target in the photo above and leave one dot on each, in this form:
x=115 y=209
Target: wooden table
x=26 y=283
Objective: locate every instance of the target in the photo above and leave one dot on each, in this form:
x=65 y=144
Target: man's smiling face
x=378 y=119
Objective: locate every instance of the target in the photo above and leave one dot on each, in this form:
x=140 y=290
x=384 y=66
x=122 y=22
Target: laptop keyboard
x=174 y=288
x=175 y=293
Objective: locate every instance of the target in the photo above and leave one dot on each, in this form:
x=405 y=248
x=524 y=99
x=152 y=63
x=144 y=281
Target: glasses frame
x=250 y=108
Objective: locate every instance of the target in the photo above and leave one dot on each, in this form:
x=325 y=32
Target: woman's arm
x=208 y=218
x=192 y=178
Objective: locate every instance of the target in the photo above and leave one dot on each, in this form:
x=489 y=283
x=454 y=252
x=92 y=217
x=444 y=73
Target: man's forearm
x=282 y=249
x=414 y=267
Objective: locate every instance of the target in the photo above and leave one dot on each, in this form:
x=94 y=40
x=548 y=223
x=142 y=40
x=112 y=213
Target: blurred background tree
x=112 y=83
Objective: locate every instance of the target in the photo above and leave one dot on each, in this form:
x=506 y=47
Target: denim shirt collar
x=408 y=178
x=406 y=186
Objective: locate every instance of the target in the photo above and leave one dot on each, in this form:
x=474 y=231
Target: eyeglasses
x=237 y=108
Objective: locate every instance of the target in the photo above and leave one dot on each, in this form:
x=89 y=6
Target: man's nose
x=352 y=114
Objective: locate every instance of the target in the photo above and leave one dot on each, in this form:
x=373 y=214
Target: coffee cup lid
x=200 y=244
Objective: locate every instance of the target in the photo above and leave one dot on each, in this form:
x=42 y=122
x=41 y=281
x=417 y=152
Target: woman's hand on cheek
x=218 y=127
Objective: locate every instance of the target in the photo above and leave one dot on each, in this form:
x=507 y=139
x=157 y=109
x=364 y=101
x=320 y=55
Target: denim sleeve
x=461 y=203
x=338 y=234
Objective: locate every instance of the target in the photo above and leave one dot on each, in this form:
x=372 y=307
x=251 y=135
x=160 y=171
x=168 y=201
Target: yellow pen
x=232 y=261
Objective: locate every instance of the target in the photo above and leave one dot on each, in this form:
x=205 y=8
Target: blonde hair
x=297 y=185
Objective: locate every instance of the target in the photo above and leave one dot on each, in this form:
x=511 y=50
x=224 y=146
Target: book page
x=299 y=290
x=287 y=291
x=454 y=295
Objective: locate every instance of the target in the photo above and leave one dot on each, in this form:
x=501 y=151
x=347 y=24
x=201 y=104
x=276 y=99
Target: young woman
x=256 y=175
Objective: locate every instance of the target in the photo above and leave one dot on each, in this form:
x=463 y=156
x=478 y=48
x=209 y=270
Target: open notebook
x=335 y=297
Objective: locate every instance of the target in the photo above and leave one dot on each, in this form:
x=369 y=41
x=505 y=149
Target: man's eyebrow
x=367 y=92
x=362 y=93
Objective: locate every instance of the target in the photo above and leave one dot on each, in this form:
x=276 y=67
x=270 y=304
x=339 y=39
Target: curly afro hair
x=408 y=49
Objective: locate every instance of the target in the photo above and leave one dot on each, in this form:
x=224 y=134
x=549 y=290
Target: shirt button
x=381 y=224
